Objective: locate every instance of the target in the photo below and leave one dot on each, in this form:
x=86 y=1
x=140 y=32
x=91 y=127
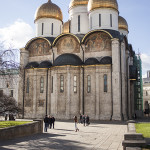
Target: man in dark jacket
x=53 y=121
x=46 y=123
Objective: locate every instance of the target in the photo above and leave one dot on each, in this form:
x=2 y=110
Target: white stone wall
x=47 y=27
x=84 y=22
x=124 y=32
x=105 y=19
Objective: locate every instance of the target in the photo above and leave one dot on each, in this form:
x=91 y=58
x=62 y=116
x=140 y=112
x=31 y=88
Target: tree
x=8 y=105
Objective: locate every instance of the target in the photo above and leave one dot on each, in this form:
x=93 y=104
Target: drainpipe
x=23 y=94
x=127 y=60
x=82 y=82
x=121 y=83
x=46 y=91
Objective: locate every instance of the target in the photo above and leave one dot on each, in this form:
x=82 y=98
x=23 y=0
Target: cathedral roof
x=105 y=60
x=66 y=27
x=32 y=65
x=45 y=64
x=96 y=4
x=49 y=10
x=122 y=23
x=91 y=61
x=68 y=59
x=74 y=3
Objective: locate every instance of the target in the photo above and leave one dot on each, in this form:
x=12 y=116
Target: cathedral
x=82 y=66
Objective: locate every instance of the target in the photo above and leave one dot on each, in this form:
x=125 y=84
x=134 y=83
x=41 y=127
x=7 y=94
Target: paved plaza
x=97 y=136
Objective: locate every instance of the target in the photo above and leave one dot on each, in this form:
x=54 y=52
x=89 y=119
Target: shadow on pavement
x=45 y=141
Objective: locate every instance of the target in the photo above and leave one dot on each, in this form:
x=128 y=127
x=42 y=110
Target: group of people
x=49 y=122
x=84 y=119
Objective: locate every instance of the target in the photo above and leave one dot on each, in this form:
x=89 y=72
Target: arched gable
x=67 y=43
x=38 y=47
x=96 y=41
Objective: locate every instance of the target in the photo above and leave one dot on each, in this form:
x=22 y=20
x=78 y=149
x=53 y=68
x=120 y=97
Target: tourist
x=50 y=121
x=76 y=121
x=80 y=118
x=83 y=119
x=87 y=120
x=53 y=121
x=46 y=123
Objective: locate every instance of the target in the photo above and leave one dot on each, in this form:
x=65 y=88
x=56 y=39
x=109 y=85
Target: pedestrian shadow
x=44 y=141
x=64 y=130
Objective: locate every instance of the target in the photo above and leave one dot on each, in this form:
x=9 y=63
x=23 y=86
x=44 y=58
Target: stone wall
x=22 y=130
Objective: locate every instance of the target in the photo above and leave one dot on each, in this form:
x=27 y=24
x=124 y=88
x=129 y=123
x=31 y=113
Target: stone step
x=134 y=143
x=133 y=136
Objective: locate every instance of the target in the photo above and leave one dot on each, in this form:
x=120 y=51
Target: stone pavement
x=97 y=136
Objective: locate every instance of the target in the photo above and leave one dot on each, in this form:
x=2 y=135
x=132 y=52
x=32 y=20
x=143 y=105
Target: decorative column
x=116 y=80
x=24 y=58
x=68 y=87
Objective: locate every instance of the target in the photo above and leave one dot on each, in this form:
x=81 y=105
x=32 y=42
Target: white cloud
x=145 y=64
x=16 y=35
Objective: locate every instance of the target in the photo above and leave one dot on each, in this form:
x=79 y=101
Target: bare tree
x=8 y=105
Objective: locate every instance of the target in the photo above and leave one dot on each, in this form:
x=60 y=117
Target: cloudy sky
x=17 y=23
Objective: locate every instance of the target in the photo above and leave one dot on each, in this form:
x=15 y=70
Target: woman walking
x=76 y=121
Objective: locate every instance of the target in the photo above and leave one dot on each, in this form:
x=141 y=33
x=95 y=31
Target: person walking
x=87 y=120
x=53 y=121
x=83 y=118
x=50 y=122
x=76 y=121
x=80 y=118
x=46 y=123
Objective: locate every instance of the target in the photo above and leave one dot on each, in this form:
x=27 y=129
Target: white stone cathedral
x=80 y=66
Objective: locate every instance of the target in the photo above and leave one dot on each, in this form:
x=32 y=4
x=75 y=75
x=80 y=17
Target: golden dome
x=66 y=27
x=95 y=4
x=49 y=10
x=78 y=2
x=122 y=23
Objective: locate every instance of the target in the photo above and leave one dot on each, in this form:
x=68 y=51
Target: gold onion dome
x=122 y=23
x=96 y=4
x=49 y=10
x=74 y=3
x=66 y=27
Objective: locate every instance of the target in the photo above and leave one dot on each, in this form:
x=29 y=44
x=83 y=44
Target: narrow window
x=27 y=88
x=79 y=23
x=42 y=28
x=89 y=84
x=110 y=20
x=60 y=29
x=146 y=93
x=11 y=93
x=91 y=22
x=61 y=83
x=41 y=85
x=52 y=85
x=99 y=20
x=75 y=84
x=105 y=83
x=52 y=29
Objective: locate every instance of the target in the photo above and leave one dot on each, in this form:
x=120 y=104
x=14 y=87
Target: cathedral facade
x=80 y=66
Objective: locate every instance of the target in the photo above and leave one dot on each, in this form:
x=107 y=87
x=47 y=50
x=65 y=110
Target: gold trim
x=97 y=30
x=33 y=39
x=64 y=34
x=132 y=79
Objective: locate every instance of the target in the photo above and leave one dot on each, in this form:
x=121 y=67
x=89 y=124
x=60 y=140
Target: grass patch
x=143 y=128
x=5 y=124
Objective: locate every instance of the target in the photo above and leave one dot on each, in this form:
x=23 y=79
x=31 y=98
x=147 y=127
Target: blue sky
x=17 y=23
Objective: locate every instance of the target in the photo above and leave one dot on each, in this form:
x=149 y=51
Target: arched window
x=89 y=84
x=52 y=85
x=99 y=20
x=110 y=20
x=27 y=86
x=75 y=84
x=41 y=85
x=78 y=23
x=42 y=28
x=105 y=83
x=52 y=29
x=61 y=83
